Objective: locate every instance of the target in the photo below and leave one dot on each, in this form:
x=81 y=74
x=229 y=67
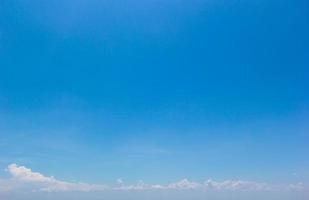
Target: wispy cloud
x=22 y=176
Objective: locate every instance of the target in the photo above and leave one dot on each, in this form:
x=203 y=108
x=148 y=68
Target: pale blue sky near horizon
x=155 y=90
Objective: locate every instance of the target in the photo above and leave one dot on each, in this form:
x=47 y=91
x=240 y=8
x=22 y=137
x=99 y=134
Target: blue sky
x=159 y=91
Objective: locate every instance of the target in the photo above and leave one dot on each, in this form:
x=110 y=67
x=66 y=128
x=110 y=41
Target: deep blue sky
x=156 y=90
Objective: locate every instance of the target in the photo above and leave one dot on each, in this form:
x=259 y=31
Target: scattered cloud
x=23 y=177
x=184 y=184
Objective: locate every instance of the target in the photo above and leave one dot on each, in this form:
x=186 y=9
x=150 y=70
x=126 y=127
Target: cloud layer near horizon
x=24 y=178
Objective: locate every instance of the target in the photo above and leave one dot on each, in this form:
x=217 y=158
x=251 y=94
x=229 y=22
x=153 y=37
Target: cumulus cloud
x=24 y=177
x=45 y=183
x=24 y=174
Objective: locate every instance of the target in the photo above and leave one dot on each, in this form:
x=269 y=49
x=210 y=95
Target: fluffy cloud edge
x=22 y=176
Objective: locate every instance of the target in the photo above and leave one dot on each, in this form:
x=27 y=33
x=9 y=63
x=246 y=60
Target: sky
x=154 y=99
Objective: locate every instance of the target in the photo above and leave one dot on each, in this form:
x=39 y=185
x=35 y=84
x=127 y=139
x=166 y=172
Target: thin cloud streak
x=22 y=177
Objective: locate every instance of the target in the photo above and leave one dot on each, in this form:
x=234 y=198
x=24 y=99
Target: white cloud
x=22 y=177
x=140 y=185
x=49 y=184
x=237 y=185
x=184 y=184
x=296 y=187
x=24 y=174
